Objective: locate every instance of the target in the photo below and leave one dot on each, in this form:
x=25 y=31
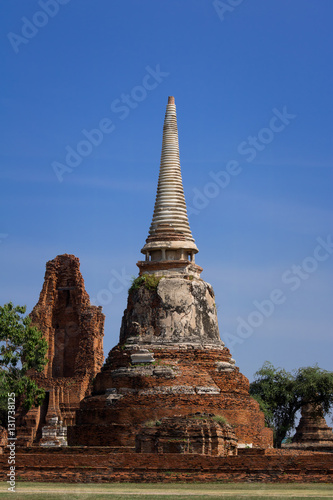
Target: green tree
x=22 y=348
x=315 y=386
x=281 y=395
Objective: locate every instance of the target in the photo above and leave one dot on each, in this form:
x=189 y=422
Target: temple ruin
x=170 y=360
x=74 y=331
x=169 y=403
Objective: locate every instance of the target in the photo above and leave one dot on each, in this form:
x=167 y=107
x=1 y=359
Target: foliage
x=220 y=419
x=152 y=423
x=150 y=281
x=315 y=386
x=274 y=389
x=22 y=348
x=217 y=418
x=281 y=394
x=136 y=283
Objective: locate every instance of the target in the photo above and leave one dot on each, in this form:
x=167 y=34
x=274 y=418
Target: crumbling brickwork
x=181 y=380
x=3 y=439
x=74 y=331
x=202 y=433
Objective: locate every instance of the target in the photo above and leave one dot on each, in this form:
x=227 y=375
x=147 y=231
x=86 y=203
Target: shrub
x=152 y=423
x=150 y=281
x=220 y=419
x=136 y=283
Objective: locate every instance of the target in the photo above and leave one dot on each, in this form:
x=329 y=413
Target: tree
x=274 y=389
x=315 y=386
x=22 y=348
x=281 y=395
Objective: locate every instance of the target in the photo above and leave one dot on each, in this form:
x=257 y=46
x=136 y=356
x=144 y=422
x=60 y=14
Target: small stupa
x=170 y=361
x=312 y=432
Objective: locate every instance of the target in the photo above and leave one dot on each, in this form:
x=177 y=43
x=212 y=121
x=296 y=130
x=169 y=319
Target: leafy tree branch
x=22 y=348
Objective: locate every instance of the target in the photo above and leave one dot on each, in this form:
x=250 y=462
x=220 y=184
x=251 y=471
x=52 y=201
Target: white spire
x=170 y=246
x=170 y=207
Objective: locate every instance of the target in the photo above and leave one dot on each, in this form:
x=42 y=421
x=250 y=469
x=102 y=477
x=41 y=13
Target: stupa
x=312 y=432
x=170 y=360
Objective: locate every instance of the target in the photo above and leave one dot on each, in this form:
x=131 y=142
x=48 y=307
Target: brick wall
x=99 y=465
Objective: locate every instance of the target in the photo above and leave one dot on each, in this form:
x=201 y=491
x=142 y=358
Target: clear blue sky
x=253 y=89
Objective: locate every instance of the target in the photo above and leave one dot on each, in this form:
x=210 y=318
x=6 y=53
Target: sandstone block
x=164 y=371
x=175 y=389
x=142 y=357
x=225 y=366
x=207 y=390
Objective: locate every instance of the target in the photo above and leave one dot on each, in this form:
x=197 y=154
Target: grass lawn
x=179 y=491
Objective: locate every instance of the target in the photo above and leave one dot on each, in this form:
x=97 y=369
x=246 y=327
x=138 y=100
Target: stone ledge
x=142 y=356
x=207 y=390
x=174 y=389
x=225 y=366
x=136 y=343
x=145 y=371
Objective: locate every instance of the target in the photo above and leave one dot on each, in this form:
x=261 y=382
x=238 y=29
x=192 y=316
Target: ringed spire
x=170 y=237
x=170 y=207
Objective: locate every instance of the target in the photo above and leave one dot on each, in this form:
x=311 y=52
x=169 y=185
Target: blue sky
x=253 y=89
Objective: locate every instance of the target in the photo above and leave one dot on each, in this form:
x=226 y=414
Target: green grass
x=179 y=491
x=220 y=419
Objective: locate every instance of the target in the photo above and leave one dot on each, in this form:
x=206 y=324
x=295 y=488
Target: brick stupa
x=170 y=360
x=312 y=432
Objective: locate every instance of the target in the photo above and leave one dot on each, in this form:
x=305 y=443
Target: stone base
x=170 y=268
x=54 y=434
x=181 y=381
x=103 y=465
x=320 y=447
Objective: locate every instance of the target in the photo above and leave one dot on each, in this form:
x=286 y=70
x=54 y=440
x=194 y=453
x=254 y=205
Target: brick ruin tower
x=170 y=361
x=73 y=329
